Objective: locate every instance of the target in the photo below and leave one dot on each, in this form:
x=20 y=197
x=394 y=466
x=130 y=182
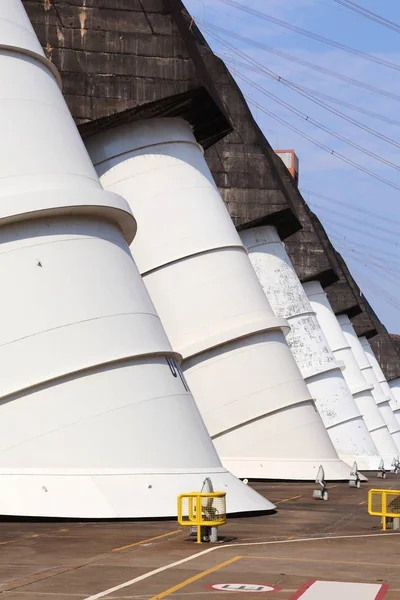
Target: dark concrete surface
x=305 y=539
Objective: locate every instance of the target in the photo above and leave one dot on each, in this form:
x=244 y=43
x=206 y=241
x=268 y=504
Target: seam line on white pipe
x=98 y=318
x=41 y=59
x=189 y=256
x=148 y=145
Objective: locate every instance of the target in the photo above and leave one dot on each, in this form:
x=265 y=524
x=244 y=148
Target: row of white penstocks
x=96 y=418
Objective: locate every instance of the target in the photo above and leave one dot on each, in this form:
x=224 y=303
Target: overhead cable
x=365 y=211
x=377 y=289
x=328 y=221
x=342 y=237
x=317 y=124
x=294 y=59
x=370 y=113
x=315 y=100
x=374 y=261
x=364 y=12
x=310 y=34
x=378 y=253
x=338 y=155
x=354 y=219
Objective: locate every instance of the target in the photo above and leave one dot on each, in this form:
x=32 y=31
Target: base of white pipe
x=380 y=438
x=341 y=415
x=288 y=469
x=388 y=462
x=368 y=463
x=110 y=494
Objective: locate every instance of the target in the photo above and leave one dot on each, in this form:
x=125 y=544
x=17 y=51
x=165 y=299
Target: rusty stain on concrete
x=60 y=36
x=82 y=21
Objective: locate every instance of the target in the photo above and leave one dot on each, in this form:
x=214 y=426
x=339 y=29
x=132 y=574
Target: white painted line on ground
x=223 y=547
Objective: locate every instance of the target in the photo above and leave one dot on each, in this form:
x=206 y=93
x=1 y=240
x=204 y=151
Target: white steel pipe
x=245 y=381
x=369 y=409
x=342 y=350
x=96 y=420
x=395 y=387
x=384 y=385
x=310 y=348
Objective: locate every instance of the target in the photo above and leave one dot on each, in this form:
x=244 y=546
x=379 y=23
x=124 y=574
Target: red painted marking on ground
x=302 y=590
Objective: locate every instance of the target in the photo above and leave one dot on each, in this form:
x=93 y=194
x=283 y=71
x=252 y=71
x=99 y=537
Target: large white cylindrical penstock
x=382 y=399
x=342 y=350
x=244 y=379
x=395 y=387
x=384 y=385
x=310 y=348
x=370 y=410
x=96 y=420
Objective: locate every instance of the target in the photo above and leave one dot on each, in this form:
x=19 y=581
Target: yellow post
x=384 y=510
x=198 y=516
x=384 y=504
x=192 y=512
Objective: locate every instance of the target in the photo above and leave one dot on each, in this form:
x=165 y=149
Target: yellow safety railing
x=198 y=509
x=385 y=504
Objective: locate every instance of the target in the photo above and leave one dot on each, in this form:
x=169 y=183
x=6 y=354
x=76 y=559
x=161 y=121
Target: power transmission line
x=354 y=219
x=374 y=261
x=322 y=146
x=304 y=116
x=234 y=62
x=377 y=265
x=294 y=59
x=364 y=259
x=364 y=12
x=317 y=124
x=308 y=96
x=309 y=34
x=378 y=253
x=328 y=221
x=365 y=211
x=378 y=290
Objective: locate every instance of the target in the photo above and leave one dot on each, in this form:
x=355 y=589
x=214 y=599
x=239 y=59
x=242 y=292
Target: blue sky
x=363 y=217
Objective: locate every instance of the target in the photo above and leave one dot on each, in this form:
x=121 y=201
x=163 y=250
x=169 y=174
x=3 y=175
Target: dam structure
x=96 y=418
